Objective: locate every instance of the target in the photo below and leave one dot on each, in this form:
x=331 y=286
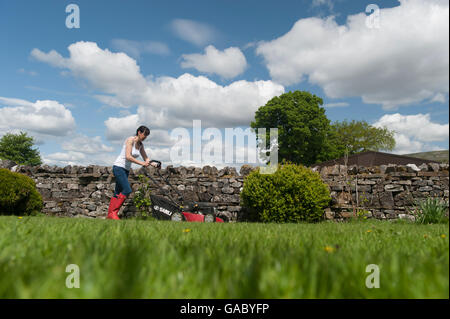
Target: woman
x=131 y=150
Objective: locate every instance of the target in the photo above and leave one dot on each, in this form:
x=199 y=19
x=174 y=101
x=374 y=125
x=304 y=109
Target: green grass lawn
x=155 y=259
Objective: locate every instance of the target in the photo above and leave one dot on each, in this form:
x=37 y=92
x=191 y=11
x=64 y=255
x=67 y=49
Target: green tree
x=18 y=148
x=359 y=136
x=303 y=127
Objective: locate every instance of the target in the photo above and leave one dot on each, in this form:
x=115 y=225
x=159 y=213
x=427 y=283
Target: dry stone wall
x=76 y=191
x=384 y=192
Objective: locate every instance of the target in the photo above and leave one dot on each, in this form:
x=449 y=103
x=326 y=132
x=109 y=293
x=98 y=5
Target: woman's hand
x=154 y=164
x=146 y=163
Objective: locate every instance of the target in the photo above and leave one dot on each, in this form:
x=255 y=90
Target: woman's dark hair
x=143 y=129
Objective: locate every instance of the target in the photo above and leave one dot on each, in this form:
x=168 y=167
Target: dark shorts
x=122 y=184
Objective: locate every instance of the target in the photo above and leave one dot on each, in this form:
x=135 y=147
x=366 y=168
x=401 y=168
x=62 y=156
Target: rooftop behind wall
x=372 y=158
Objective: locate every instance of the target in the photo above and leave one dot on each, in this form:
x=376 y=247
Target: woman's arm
x=129 y=147
x=144 y=155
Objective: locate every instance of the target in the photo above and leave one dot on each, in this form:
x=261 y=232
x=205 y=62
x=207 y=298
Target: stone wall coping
x=226 y=172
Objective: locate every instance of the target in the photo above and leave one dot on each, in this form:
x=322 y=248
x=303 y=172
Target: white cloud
x=29 y=72
x=87 y=145
x=14 y=102
x=118 y=129
x=161 y=154
x=413 y=133
x=107 y=71
x=404 y=61
x=136 y=48
x=111 y=101
x=41 y=117
x=82 y=150
x=160 y=138
x=251 y=44
x=440 y=98
x=318 y=3
x=418 y=126
x=406 y=145
x=53 y=58
x=338 y=104
x=193 y=31
x=228 y=63
x=165 y=102
x=63 y=159
x=177 y=101
x=78 y=158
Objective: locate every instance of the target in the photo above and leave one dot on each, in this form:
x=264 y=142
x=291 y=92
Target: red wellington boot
x=114 y=206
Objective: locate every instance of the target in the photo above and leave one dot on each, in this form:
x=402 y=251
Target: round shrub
x=293 y=193
x=18 y=194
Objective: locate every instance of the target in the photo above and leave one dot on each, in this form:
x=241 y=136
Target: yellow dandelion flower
x=187 y=230
x=329 y=249
x=369 y=231
x=443 y=236
x=20 y=217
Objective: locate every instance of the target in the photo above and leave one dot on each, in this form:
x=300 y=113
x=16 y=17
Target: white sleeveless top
x=121 y=160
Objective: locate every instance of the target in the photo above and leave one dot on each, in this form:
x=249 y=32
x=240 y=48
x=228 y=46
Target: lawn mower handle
x=157 y=162
x=167 y=181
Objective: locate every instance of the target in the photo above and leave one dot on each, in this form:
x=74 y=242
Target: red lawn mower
x=189 y=211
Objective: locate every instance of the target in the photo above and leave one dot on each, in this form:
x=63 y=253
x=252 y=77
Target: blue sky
x=216 y=61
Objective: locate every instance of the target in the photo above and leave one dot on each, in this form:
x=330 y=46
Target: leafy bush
x=293 y=193
x=18 y=194
x=431 y=211
x=142 y=199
